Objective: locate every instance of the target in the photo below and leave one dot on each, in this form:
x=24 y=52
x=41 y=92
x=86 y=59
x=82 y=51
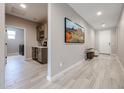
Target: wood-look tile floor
x=101 y=72
x=23 y=74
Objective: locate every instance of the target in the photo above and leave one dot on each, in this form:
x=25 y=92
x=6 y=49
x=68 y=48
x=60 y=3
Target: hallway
x=73 y=31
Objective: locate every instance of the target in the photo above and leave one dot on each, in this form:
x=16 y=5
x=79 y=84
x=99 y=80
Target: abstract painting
x=74 y=33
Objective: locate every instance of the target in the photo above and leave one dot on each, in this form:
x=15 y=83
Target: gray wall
x=2 y=47
x=60 y=52
x=13 y=44
x=30 y=31
x=121 y=38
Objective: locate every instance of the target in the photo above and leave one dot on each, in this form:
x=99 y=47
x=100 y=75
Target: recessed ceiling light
x=99 y=13
x=103 y=25
x=23 y=5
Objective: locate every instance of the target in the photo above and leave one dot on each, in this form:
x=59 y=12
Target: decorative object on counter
x=44 y=43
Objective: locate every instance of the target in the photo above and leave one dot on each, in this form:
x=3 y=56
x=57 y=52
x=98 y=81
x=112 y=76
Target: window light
x=11 y=34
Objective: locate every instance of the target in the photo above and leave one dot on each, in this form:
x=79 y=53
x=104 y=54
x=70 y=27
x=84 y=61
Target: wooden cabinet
x=42 y=55
x=34 y=53
x=41 y=32
x=39 y=54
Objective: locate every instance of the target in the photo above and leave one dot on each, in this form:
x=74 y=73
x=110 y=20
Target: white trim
x=62 y=72
x=49 y=70
x=2 y=46
x=11 y=54
x=26 y=59
x=49 y=78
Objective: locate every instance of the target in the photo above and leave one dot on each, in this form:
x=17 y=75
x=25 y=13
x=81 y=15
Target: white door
x=105 y=42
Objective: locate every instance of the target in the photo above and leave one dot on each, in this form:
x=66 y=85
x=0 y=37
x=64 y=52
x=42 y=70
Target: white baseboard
x=11 y=54
x=49 y=78
x=62 y=72
x=26 y=59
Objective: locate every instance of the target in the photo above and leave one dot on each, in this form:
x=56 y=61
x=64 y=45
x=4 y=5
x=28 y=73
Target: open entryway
x=15 y=41
x=15 y=52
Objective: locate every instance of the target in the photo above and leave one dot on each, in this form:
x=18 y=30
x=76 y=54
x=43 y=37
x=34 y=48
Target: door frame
x=24 y=37
x=2 y=45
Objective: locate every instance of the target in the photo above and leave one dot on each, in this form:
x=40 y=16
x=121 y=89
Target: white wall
x=13 y=44
x=2 y=43
x=30 y=29
x=91 y=40
x=121 y=38
x=60 y=52
x=114 y=41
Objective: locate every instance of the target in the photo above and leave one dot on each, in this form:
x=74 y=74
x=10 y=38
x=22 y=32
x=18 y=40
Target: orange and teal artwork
x=74 y=33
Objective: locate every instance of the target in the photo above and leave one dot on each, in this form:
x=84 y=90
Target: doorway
x=15 y=41
x=15 y=50
x=105 y=42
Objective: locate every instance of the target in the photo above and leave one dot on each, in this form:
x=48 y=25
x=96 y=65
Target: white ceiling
x=110 y=13
x=35 y=12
